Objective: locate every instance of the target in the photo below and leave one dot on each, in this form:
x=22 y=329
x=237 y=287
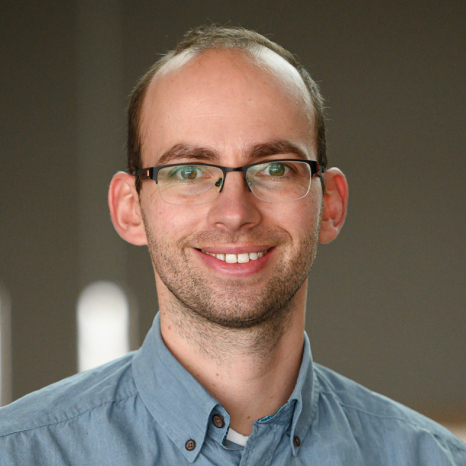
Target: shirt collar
x=183 y=407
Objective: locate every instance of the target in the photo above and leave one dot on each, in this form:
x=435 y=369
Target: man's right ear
x=125 y=209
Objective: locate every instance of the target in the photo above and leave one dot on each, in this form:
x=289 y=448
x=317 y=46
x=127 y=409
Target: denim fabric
x=145 y=408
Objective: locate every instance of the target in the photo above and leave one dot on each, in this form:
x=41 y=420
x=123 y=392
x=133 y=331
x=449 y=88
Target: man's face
x=226 y=103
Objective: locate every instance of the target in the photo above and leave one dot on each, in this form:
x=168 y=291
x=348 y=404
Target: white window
x=103 y=318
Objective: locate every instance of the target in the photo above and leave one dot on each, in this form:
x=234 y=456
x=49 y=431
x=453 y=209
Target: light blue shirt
x=146 y=409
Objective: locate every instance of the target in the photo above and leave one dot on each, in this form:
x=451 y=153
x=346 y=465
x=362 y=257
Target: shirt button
x=190 y=445
x=296 y=441
x=218 y=420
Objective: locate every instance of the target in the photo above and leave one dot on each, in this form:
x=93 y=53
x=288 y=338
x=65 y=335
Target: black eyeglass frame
x=152 y=173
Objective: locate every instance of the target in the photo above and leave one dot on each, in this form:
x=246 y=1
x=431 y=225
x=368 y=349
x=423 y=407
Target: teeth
x=231 y=258
x=237 y=258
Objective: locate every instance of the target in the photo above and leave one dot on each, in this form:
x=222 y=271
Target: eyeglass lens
x=270 y=181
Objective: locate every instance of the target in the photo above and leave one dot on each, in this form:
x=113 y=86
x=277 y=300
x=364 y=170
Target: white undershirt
x=237 y=438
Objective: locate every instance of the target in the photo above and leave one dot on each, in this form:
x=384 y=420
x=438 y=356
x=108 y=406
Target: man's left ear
x=335 y=202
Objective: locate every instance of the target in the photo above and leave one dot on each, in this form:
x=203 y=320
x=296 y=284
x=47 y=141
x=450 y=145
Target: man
x=227 y=187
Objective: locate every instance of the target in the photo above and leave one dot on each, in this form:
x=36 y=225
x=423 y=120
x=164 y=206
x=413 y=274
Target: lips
x=235 y=261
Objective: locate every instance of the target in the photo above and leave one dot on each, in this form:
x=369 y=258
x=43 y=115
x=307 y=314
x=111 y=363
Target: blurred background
x=387 y=303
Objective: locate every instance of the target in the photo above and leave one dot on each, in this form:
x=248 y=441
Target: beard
x=254 y=302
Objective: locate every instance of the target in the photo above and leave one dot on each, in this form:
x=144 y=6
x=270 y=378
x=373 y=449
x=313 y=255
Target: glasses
x=199 y=183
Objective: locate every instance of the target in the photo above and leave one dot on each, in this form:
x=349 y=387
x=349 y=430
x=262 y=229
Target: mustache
x=263 y=235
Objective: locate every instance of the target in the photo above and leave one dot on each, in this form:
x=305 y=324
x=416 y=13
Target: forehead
x=225 y=99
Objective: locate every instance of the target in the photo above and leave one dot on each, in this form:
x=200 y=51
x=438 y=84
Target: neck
x=252 y=371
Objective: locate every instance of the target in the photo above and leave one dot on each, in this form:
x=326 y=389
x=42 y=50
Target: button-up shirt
x=147 y=409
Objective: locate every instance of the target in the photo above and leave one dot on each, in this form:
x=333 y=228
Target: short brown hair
x=211 y=37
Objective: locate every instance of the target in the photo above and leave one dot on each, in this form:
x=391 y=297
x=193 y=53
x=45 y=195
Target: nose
x=235 y=207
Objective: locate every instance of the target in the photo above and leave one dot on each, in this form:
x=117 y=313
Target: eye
x=273 y=172
x=276 y=169
x=187 y=173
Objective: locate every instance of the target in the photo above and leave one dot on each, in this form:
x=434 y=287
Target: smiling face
x=237 y=260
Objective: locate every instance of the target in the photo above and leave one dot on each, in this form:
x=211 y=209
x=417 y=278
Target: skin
x=237 y=328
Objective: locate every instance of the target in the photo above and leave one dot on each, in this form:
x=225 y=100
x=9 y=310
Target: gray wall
x=386 y=299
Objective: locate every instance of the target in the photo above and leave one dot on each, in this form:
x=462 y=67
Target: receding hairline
x=256 y=54
x=283 y=73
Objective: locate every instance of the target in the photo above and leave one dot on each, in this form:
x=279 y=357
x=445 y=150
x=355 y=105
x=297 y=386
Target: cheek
x=297 y=217
x=173 y=221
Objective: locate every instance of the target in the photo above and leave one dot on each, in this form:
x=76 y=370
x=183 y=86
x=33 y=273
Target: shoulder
x=352 y=396
x=385 y=422
x=70 y=398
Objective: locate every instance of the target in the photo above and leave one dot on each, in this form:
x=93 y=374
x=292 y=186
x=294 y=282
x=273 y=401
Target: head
x=231 y=104
x=212 y=37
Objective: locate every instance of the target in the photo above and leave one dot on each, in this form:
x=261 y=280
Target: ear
x=335 y=202
x=125 y=209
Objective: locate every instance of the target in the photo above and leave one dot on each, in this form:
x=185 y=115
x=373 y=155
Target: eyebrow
x=277 y=147
x=183 y=151
x=257 y=151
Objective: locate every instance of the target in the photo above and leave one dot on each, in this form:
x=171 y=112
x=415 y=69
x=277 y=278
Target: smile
x=237 y=258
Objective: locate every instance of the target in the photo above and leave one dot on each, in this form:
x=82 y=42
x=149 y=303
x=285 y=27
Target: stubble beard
x=231 y=315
